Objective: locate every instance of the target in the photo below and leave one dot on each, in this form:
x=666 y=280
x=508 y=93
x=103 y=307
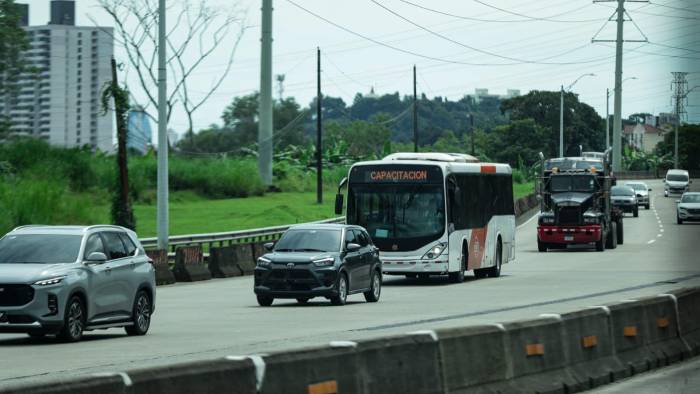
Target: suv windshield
x=677 y=178
x=39 y=248
x=309 y=241
x=622 y=191
x=572 y=183
x=695 y=198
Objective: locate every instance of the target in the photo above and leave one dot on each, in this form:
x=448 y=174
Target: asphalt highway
x=221 y=317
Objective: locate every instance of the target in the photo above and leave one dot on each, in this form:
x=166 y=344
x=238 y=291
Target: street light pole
x=163 y=148
x=561 y=122
x=607 y=118
x=561 y=112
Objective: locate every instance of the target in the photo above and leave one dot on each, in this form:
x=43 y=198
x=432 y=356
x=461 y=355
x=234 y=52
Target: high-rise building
x=139 y=132
x=59 y=100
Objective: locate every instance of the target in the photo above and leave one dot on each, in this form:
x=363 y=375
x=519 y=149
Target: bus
x=434 y=213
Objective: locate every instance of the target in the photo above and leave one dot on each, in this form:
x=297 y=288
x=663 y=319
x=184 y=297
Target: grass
x=523 y=189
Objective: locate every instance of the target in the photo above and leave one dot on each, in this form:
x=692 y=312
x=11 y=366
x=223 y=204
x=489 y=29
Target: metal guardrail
x=228 y=238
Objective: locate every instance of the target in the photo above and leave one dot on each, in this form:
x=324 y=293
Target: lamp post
x=561 y=112
x=607 y=113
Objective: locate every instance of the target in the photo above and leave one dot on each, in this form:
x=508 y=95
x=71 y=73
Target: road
x=683 y=378
x=221 y=317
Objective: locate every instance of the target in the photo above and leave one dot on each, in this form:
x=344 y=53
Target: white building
x=60 y=102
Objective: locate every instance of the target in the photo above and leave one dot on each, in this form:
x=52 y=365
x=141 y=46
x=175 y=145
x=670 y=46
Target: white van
x=676 y=182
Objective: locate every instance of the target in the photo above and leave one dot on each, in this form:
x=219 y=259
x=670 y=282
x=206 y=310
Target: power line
x=674 y=8
x=483 y=51
x=408 y=52
x=527 y=18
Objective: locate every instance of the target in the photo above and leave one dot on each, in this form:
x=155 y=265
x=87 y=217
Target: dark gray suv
x=68 y=279
x=319 y=260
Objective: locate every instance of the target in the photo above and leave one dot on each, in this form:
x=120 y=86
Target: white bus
x=434 y=213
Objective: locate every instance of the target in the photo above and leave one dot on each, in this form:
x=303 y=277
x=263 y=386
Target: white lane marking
x=659 y=235
x=527 y=221
x=651 y=242
x=661 y=229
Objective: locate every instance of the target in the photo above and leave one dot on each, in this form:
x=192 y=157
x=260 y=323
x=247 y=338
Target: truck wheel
x=600 y=244
x=646 y=206
x=611 y=241
x=620 y=233
x=541 y=246
x=265 y=300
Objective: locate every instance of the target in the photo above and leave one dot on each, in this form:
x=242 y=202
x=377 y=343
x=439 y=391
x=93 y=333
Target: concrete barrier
x=205 y=377
x=111 y=384
x=630 y=334
x=539 y=357
x=662 y=326
x=473 y=356
x=164 y=276
x=522 y=205
x=688 y=302
x=589 y=348
x=401 y=364
x=532 y=200
x=321 y=370
x=189 y=265
x=223 y=261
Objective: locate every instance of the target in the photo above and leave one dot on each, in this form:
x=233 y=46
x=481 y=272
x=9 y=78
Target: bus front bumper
x=404 y=267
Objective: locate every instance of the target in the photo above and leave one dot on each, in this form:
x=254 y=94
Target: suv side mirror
x=96 y=258
x=268 y=246
x=338 y=204
x=353 y=247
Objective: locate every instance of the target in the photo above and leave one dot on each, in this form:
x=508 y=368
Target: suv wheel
x=265 y=300
x=141 y=315
x=678 y=219
x=636 y=212
x=73 y=320
x=376 y=288
x=342 y=295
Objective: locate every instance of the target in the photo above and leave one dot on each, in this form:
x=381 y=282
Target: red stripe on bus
x=477 y=244
x=488 y=169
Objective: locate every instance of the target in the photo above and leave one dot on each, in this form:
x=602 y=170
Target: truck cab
x=576 y=206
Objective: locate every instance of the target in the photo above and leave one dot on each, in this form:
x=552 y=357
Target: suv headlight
x=435 y=251
x=51 y=281
x=325 y=262
x=590 y=220
x=263 y=262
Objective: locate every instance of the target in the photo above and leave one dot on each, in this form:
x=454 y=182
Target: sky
x=457 y=46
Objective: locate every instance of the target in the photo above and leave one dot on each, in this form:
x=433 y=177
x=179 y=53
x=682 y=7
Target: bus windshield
x=398 y=212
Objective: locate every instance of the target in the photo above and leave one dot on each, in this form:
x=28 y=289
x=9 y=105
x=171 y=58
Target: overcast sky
x=549 y=31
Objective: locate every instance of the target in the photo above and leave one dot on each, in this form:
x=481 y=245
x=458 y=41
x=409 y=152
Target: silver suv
x=64 y=280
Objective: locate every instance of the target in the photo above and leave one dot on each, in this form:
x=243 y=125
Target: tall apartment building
x=60 y=99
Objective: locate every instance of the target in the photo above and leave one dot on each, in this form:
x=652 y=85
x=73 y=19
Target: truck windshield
x=677 y=178
x=574 y=183
x=412 y=214
x=39 y=248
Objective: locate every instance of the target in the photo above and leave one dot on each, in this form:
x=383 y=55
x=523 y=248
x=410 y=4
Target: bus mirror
x=338 y=204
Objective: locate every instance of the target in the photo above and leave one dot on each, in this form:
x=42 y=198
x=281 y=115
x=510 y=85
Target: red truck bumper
x=569 y=234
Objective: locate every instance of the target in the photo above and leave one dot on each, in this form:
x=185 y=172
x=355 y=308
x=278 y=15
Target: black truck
x=575 y=205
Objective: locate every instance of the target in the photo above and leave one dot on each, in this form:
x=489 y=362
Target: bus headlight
x=435 y=251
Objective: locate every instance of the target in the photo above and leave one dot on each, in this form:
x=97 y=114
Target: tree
x=13 y=43
x=582 y=125
x=688 y=146
x=521 y=140
x=363 y=138
x=192 y=38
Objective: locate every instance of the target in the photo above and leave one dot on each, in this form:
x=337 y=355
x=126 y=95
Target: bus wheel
x=495 y=271
x=458 y=277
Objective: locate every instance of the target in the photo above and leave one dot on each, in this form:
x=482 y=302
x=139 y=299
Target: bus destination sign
x=396 y=174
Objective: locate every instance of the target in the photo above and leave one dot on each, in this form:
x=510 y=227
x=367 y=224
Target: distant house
x=644 y=137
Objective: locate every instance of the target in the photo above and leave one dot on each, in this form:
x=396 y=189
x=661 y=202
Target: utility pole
x=607 y=118
x=471 y=123
x=617 y=118
x=561 y=122
x=680 y=87
x=265 y=106
x=123 y=215
x=415 y=113
x=163 y=148
x=319 y=125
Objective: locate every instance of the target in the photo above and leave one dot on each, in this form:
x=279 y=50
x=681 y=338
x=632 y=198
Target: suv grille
x=569 y=216
x=15 y=295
